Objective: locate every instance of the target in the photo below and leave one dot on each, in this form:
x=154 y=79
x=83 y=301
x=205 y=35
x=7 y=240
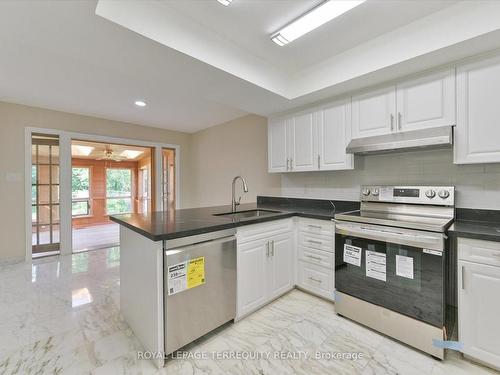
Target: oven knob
x=430 y=194
x=375 y=192
x=366 y=191
x=444 y=194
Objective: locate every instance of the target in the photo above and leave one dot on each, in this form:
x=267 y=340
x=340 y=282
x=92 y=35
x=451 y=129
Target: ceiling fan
x=108 y=154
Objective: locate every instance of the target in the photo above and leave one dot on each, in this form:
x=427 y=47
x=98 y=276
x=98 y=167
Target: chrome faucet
x=235 y=203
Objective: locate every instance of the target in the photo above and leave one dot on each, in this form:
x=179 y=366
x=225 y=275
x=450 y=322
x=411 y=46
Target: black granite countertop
x=159 y=226
x=476 y=224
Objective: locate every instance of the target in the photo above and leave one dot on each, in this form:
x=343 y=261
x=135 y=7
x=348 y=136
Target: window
x=118 y=191
x=80 y=191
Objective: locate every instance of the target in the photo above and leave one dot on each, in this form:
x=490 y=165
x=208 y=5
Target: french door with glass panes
x=45 y=193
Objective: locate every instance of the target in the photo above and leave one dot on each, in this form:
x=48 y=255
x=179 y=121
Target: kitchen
x=338 y=215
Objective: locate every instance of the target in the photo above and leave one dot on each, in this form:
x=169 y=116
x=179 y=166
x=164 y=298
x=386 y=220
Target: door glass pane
x=55 y=174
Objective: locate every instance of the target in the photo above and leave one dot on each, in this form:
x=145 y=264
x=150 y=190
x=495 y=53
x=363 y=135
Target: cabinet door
x=478 y=311
x=477 y=131
x=333 y=134
x=373 y=113
x=277 y=145
x=281 y=272
x=303 y=154
x=252 y=273
x=426 y=102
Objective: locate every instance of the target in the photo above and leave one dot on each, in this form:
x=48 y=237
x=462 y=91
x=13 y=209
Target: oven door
x=399 y=269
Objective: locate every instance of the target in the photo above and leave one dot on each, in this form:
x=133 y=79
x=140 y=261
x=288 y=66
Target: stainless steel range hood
x=440 y=137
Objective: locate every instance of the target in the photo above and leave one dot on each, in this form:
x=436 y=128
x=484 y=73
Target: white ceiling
x=249 y=23
x=210 y=64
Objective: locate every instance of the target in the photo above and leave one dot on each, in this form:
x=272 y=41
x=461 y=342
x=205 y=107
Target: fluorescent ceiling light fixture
x=313 y=19
x=79 y=150
x=140 y=103
x=225 y=2
x=131 y=154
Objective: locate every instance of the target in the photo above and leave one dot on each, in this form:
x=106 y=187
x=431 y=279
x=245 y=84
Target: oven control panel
x=433 y=195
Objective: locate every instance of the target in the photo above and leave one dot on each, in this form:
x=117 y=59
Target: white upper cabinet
x=477 y=132
x=333 y=134
x=303 y=141
x=277 y=145
x=426 y=102
x=373 y=113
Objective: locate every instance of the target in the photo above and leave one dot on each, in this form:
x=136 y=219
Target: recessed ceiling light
x=225 y=2
x=313 y=19
x=140 y=103
x=131 y=154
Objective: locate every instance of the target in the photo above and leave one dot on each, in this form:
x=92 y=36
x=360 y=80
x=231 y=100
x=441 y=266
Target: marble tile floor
x=61 y=316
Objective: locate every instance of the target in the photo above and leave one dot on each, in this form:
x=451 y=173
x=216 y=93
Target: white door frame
x=65 y=138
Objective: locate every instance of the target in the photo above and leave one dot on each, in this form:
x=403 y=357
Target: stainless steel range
x=390 y=262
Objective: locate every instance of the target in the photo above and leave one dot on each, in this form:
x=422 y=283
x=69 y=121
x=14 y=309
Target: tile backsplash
x=477 y=185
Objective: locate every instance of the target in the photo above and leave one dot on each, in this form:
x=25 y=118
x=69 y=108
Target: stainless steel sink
x=247 y=214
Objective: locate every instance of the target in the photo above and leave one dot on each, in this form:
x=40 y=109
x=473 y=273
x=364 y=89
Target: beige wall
x=219 y=153
x=14 y=118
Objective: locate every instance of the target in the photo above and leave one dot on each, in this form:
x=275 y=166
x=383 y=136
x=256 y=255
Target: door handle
x=267 y=248
x=291 y=164
x=272 y=248
x=399 y=120
x=287 y=164
x=463 y=277
x=392 y=121
x=319 y=158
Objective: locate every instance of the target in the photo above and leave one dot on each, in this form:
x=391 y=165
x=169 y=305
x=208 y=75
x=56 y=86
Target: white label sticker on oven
x=433 y=252
x=376 y=265
x=404 y=266
x=352 y=255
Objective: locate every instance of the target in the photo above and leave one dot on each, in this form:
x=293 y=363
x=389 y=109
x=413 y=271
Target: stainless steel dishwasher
x=199 y=286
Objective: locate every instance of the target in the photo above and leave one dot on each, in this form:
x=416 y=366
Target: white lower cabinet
x=316 y=257
x=265 y=264
x=276 y=256
x=478 y=302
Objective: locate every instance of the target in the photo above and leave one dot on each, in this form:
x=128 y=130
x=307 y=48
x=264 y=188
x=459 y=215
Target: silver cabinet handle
x=399 y=120
x=287 y=164
x=313 y=257
x=314 y=226
x=319 y=158
x=267 y=248
x=291 y=163
x=313 y=279
x=315 y=242
x=272 y=248
x=463 y=277
x=392 y=121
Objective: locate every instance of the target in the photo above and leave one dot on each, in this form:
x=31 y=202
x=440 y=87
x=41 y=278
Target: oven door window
x=401 y=278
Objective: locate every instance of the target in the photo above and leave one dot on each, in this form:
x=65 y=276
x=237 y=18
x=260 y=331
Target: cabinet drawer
x=322 y=227
x=479 y=251
x=315 y=256
x=316 y=241
x=256 y=232
x=316 y=279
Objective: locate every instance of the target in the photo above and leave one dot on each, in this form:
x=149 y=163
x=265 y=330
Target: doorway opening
x=168 y=179
x=45 y=212
x=107 y=179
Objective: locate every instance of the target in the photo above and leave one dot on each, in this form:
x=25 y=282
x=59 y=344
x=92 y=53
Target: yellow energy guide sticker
x=196 y=272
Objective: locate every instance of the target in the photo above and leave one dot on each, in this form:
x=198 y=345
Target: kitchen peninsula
x=145 y=237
